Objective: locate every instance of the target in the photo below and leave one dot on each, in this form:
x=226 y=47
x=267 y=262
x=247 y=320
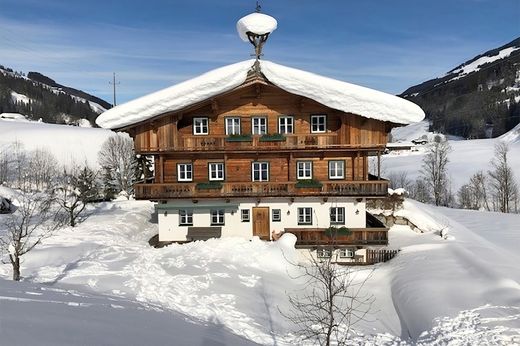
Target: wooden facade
x=172 y=140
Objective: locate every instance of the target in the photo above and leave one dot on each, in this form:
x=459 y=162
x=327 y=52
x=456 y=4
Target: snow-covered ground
x=70 y=144
x=462 y=290
x=466 y=158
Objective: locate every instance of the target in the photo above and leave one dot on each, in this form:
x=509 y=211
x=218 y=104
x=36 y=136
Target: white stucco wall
x=169 y=229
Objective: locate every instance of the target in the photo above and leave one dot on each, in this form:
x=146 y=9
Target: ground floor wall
x=265 y=216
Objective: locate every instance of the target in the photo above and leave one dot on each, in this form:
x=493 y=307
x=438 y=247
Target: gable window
x=259 y=126
x=260 y=171
x=285 y=125
x=318 y=123
x=184 y=172
x=323 y=253
x=232 y=126
x=346 y=253
x=200 y=126
x=304 y=169
x=244 y=215
x=185 y=217
x=337 y=215
x=216 y=171
x=217 y=217
x=304 y=216
x=336 y=169
x=277 y=215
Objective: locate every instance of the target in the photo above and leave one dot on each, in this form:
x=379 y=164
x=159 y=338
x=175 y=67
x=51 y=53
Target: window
x=260 y=171
x=200 y=126
x=304 y=169
x=185 y=218
x=259 y=126
x=184 y=172
x=217 y=217
x=285 y=124
x=318 y=123
x=323 y=253
x=304 y=216
x=232 y=126
x=216 y=171
x=244 y=215
x=336 y=169
x=347 y=253
x=337 y=215
x=277 y=215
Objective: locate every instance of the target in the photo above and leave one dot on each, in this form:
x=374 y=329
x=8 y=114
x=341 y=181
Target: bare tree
x=473 y=195
x=435 y=171
x=400 y=179
x=42 y=169
x=504 y=189
x=420 y=191
x=118 y=162
x=77 y=188
x=330 y=302
x=34 y=219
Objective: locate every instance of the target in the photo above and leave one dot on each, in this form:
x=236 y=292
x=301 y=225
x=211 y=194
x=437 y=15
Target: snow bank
x=69 y=144
x=512 y=136
x=257 y=23
x=332 y=93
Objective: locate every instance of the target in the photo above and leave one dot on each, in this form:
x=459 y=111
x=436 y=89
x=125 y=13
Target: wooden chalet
x=256 y=159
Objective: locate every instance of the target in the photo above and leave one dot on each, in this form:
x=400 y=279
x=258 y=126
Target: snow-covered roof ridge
x=332 y=93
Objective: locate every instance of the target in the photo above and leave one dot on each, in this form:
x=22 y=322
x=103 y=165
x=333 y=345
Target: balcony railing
x=257 y=142
x=357 y=236
x=370 y=188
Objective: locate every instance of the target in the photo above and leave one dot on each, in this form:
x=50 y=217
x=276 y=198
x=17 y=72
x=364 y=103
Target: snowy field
x=463 y=290
x=70 y=144
x=101 y=283
x=466 y=158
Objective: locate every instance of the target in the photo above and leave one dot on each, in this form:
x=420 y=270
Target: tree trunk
x=16 y=268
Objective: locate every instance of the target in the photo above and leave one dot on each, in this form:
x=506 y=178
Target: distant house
x=256 y=148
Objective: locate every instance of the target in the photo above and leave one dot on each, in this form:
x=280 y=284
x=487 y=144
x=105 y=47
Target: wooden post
x=161 y=169
x=379 y=165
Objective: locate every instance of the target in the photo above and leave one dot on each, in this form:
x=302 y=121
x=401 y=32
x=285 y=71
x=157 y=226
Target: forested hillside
x=39 y=97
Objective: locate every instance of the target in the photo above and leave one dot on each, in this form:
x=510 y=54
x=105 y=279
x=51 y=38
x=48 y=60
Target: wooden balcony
x=190 y=143
x=370 y=188
x=358 y=236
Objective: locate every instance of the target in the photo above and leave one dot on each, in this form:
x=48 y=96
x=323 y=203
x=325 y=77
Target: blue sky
x=382 y=44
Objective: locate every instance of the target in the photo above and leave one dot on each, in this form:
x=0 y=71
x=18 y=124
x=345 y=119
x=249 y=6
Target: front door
x=261 y=222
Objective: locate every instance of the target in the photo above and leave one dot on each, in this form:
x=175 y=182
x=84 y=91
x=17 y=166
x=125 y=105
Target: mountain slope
x=40 y=97
x=472 y=98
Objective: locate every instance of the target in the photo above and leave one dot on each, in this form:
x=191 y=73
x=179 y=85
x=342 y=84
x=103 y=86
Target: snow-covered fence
x=378 y=256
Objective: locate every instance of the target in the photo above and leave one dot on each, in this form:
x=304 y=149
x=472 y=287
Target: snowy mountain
x=481 y=94
x=39 y=97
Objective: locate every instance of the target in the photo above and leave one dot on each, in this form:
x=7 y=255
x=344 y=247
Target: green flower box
x=335 y=231
x=308 y=183
x=239 y=138
x=209 y=186
x=275 y=137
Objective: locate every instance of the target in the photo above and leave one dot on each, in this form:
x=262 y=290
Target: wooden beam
x=378 y=165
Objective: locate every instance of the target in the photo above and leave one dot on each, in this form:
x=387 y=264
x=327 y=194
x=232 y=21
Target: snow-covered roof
x=257 y=23
x=332 y=93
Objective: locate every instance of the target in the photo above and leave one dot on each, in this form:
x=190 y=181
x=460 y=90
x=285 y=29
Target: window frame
x=342 y=214
x=196 y=128
x=320 y=252
x=247 y=212
x=305 y=215
x=259 y=126
x=185 y=214
x=220 y=217
x=210 y=164
x=253 y=171
x=304 y=170
x=226 y=119
x=336 y=177
x=279 y=216
x=318 y=116
x=179 y=172
x=285 y=117
x=344 y=252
